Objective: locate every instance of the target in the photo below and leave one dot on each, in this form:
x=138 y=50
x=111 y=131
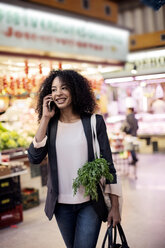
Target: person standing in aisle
x=65 y=105
x=133 y=127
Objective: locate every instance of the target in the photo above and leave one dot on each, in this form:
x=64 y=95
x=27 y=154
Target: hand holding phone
x=51 y=105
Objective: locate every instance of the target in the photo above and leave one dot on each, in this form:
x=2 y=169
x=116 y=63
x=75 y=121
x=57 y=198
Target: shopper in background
x=130 y=127
x=133 y=123
x=65 y=105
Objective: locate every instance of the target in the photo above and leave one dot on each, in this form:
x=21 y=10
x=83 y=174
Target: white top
x=72 y=154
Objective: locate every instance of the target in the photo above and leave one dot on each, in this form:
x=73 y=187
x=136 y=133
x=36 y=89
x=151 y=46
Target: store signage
x=31 y=29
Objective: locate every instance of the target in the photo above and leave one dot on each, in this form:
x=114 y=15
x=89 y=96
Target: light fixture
x=145 y=77
x=119 y=80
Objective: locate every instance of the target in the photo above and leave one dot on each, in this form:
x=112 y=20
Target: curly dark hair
x=83 y=99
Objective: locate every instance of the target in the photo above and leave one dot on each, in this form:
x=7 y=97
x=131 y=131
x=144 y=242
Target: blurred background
x=119 y=45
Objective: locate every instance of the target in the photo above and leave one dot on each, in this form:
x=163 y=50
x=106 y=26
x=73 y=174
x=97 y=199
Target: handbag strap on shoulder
x=96 y=147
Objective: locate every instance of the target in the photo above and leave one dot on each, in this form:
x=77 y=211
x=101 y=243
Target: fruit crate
x=11 y=217
x=30 y=198
x=8 y=185
x=9 y=201
x=6 y=202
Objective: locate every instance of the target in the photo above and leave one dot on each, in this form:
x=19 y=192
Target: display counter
x=151 y=132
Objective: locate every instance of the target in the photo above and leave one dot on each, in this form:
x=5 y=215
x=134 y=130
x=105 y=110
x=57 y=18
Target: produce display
x=18 y=124
x=11 y=139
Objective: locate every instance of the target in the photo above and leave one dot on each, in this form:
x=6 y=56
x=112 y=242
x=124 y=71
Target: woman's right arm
x=41 y=132
x=46 y=116
x=37 y=151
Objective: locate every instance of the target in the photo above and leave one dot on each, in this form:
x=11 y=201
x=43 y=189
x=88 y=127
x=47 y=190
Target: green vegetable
x=11 y=139
x=14 y=135
x=11 y=144
x=89 y=176
x=5 y=136
x=22 y=142
x=2 y=128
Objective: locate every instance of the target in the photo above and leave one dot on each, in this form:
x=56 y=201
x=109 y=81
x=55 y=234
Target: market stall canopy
x=25 y=28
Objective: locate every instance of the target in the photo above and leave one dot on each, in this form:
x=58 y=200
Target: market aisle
x=143 y=214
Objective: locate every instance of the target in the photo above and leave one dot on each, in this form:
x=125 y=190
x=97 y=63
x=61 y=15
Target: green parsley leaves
x=89 y=176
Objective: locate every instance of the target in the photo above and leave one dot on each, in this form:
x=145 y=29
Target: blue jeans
x=133 y=154
x=79 y=224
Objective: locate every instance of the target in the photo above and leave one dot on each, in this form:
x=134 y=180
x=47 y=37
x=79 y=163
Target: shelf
x=16 y=153
x=14 y=174
x=20 y=95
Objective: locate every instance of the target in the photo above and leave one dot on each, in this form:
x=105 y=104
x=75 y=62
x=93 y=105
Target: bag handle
x=112 y=237
x=122 y=235
x=96 y=147
x=109 y=235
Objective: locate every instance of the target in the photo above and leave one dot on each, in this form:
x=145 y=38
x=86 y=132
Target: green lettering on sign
x=25 y=20
x=65 y=29
x=93 y=36
x=16 y=18
x=81 y=32
x=42 y=24
x=50 y=26
x=33 y=23
x=9 y=18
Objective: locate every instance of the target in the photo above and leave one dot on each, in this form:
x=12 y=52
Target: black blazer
x=36 y=155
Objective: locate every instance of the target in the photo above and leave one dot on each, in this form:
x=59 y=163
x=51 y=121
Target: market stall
x=141 y=86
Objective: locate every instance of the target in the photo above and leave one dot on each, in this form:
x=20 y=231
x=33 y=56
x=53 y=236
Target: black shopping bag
x=111 y=235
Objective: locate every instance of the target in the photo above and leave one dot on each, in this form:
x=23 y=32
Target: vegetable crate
x=30 y=198
x=11 y=217
x=9 y=185
x=10 y=194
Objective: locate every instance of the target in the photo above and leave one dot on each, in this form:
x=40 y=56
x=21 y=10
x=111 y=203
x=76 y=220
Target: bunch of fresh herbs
x=89 y=176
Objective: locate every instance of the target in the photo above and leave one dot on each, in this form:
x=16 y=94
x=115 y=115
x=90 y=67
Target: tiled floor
x=143 y=216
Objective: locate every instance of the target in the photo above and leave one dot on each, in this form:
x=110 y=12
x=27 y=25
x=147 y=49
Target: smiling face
x=61 y=94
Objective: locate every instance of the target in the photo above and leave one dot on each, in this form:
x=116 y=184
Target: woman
x=65 y=135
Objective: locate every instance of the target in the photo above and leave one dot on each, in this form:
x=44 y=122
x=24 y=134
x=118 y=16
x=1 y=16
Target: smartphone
x=51 y=105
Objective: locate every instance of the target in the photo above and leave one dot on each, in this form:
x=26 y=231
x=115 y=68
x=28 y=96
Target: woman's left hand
x=114 y=216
